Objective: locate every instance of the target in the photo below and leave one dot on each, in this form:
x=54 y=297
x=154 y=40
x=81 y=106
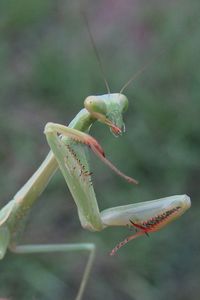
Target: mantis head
x=108 y=109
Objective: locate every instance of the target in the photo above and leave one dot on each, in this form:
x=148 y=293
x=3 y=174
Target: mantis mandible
x=68 y=154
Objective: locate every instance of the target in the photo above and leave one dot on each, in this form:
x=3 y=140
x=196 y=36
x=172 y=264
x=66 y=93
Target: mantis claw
x=98 y=150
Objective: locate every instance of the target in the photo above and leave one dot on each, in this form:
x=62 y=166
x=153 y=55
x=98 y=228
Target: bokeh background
x=47 y=68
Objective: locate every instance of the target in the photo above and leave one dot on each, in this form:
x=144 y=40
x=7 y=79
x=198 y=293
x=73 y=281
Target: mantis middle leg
x=63 y=248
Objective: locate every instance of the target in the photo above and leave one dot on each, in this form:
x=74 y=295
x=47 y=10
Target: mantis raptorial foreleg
x=69 y=155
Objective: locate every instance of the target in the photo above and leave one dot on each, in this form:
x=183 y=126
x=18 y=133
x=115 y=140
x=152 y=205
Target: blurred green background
x=47 y=69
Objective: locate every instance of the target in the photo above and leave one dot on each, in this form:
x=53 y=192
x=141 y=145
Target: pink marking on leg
x=98 y=150
x=95 y=146
x=139 y=226
x=124 y=242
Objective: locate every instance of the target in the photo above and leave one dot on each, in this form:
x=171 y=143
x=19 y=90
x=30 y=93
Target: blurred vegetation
x=47 y=69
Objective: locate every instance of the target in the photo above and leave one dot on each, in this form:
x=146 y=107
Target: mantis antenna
x=96 y=52
x=99 y=60
x=140 y=71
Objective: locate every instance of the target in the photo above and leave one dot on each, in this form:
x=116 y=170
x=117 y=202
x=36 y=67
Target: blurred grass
x=47 y=69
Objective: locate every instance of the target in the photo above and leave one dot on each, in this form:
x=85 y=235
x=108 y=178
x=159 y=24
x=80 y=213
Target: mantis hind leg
x=51 y=248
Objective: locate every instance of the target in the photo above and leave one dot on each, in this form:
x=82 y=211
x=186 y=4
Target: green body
x=68 y=145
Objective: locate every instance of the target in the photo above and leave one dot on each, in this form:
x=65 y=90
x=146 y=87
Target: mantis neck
x=82 y=121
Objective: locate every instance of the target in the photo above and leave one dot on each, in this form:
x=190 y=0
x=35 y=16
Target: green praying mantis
x=69 y=156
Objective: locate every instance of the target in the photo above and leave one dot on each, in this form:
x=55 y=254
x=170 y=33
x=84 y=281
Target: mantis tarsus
x=68 y=154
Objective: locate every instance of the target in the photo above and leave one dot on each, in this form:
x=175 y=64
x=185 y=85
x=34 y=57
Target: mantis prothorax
x=69 y=155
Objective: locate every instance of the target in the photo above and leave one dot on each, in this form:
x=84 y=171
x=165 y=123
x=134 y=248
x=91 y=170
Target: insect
x=69 y=156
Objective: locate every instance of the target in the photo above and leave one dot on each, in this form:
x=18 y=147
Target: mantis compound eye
x=123 y=101
x=95 y=105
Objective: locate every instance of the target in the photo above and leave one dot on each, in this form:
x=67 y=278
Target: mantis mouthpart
x=69 y=156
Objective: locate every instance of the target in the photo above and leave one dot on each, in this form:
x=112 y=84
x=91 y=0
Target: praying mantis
x=68 y=154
